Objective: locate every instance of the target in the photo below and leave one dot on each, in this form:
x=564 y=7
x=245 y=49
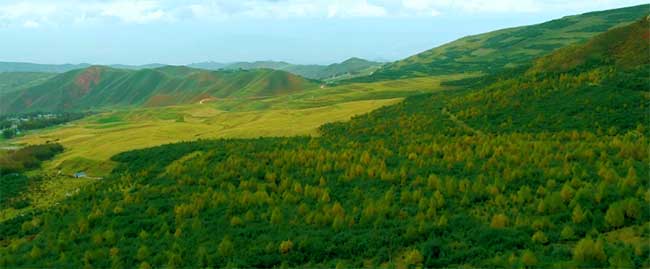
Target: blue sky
x=298 y=31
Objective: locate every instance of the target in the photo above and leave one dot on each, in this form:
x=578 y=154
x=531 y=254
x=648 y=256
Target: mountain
x=599 y=86
x=13 y=67
x=624 y=47
x=42 y=68
x=352 y=67
x=258 y=64
x=537 y=167
x=100 y=86
x=136 y=67
x=15 y=81
x=506 y=48
x=207 y=65
x=349 y=68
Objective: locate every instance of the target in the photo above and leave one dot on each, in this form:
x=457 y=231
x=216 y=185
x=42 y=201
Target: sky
x=297 y=31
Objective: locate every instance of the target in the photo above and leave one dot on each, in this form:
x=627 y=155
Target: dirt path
x=460 y=122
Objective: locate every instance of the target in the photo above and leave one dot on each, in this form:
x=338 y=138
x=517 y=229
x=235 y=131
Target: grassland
x=94 y=140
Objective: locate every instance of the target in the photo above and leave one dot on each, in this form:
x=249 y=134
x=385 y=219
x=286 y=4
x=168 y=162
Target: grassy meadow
x=92 y=141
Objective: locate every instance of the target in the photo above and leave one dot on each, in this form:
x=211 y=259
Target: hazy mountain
x=350 y=67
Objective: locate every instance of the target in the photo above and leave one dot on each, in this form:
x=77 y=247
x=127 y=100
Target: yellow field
x=91 y=142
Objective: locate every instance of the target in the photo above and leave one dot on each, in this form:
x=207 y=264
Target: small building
x=79 y=174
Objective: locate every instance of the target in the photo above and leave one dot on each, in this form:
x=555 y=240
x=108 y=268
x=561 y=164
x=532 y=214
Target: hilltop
x=507 y=48
x=349 y=68
x=18 y=67
x=352 y=67
x=99 y=86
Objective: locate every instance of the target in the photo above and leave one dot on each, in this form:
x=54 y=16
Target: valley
x=524 y=147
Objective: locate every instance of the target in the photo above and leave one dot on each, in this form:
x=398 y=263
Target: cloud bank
x=35 y=13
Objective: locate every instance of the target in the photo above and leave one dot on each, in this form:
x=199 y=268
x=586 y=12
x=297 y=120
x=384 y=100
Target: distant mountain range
x=348 y=68
x=99 y=86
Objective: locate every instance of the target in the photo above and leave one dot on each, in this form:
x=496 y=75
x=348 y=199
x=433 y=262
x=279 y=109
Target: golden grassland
x=97 y=138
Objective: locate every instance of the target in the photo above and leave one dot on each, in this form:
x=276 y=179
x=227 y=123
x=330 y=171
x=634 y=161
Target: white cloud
x=482 y=6
x=516 y=6
x=422 y=7
x=34 y=13
x=39 y=12
x=132 y=11
x=31 y=24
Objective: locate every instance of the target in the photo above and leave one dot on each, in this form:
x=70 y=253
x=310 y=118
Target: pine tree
x=225 y=248
x=615 y=216
x=578 y=215
x=499 y=221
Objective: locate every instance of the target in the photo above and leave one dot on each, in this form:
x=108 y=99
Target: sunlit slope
x=98 y=87
x=602 y=85
x=508 y=47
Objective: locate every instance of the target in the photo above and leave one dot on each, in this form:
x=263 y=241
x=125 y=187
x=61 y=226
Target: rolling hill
x=39 y=68
x=351 y=67
x=16 y=81
x=97 y=86
x=541 y=168
x=13 y=67
x=506 y=48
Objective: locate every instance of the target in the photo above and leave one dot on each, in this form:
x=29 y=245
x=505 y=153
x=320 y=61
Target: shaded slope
x=511 y=47
x=15 y=81
x=97 y=87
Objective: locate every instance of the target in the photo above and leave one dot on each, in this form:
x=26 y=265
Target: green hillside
x=11 y=82
x=96 y=87
x=350 y=67
x=543 y=167
x=505 y=48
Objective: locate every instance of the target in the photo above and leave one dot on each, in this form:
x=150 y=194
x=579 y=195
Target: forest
x=546 y=168
x=12 y=124
x=13 y=166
